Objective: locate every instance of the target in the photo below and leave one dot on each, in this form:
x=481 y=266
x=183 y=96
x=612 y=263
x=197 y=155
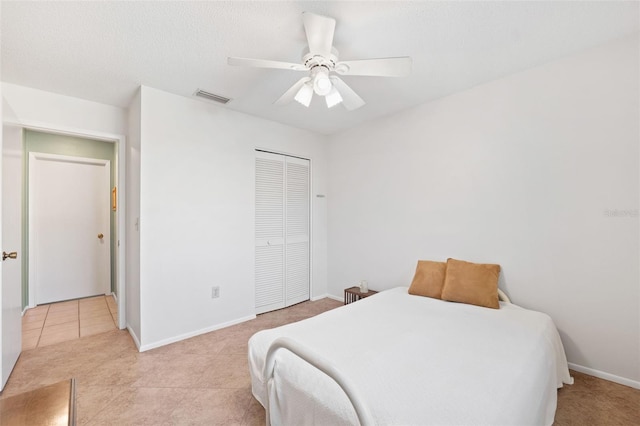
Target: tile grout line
x=42 y=328
x=246 y=411
x=115 y=322
x=107 y=406
x=109 y=309
x=78 y=323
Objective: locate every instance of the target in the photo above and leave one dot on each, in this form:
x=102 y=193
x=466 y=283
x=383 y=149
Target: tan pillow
x=472 y=283
x=429 y=279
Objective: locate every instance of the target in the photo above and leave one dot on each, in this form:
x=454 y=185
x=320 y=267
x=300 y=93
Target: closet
x=282 y=231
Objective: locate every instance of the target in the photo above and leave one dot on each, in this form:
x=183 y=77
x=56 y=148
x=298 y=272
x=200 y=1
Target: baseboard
x=327 y=296
x=606 y=376
x=180 y=337
x=115 y=296
x=26 y=308
x=134 y=337
x=338 y=298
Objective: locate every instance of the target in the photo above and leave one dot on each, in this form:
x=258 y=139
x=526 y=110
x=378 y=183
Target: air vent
x=212 y=97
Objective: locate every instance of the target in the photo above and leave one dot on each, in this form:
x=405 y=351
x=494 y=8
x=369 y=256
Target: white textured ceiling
x=102 y=51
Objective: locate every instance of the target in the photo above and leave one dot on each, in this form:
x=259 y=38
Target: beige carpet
x=205 y=380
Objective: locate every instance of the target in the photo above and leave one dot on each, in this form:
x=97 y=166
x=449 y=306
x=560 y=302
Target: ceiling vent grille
x=212 y=96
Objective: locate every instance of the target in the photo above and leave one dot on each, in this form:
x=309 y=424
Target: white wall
x=46 y=108
x=197 y=212
x=520 y=172
x=132 y=262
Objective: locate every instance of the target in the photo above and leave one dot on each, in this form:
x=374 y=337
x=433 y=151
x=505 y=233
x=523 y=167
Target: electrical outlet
x=215 y=292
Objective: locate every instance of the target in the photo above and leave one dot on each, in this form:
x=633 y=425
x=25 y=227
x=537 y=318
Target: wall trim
x=120 y=325
x=322 y=296
x=134 y=337
x=184 y=336
x=338 y=298
x=606 y=376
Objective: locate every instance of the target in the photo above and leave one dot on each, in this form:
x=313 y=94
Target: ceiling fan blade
x=383 y=67
x=265 y=63
x=350 y=99
x=290 y=94
x=319 y=30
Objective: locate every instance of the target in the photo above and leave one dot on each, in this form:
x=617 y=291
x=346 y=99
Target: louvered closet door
x=297 y=231
x=282 y=231
x=270 y=250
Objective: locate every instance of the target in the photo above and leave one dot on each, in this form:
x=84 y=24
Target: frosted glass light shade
x=304 y=95
x=333 y=98
x=321 y=83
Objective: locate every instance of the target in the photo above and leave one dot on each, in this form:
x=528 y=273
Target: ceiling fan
x=321 y=62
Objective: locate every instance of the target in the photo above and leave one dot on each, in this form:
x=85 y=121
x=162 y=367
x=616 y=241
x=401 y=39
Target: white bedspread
x=418 y=361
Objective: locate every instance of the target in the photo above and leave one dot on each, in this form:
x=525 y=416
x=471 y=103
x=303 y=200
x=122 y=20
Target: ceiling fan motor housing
x=310 y=60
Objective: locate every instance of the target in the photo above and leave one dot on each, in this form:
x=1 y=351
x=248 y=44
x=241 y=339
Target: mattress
x=417 y=361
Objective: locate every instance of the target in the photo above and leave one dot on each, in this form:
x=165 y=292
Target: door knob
x=12 y=255
x=100 y=236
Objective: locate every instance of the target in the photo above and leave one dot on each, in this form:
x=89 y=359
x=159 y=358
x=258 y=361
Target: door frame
x=33 y=236
x=120 y=183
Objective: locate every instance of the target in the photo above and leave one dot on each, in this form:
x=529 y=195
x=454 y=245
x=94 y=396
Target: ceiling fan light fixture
x=333 y=98
x=320 y=61
x=304 y=95
x=321 y=83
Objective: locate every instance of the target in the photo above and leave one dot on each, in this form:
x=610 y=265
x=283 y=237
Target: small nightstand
x=353 y=294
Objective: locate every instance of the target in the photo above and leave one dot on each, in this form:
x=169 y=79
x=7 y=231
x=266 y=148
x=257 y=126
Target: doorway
x=14 y=280
x=69 y=228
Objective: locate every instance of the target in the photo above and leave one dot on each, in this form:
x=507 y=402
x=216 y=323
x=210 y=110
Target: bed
x=415 y=361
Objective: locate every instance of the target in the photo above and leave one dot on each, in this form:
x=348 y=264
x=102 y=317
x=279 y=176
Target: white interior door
x=10 y=284
x=270 y=181
x=69 y=202
x=297 y=231
x=282 y=231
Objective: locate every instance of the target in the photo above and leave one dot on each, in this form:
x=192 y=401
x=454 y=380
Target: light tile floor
x=199 y=381
x=59 y=322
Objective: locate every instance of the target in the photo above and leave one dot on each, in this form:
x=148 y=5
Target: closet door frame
x=263 y=151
